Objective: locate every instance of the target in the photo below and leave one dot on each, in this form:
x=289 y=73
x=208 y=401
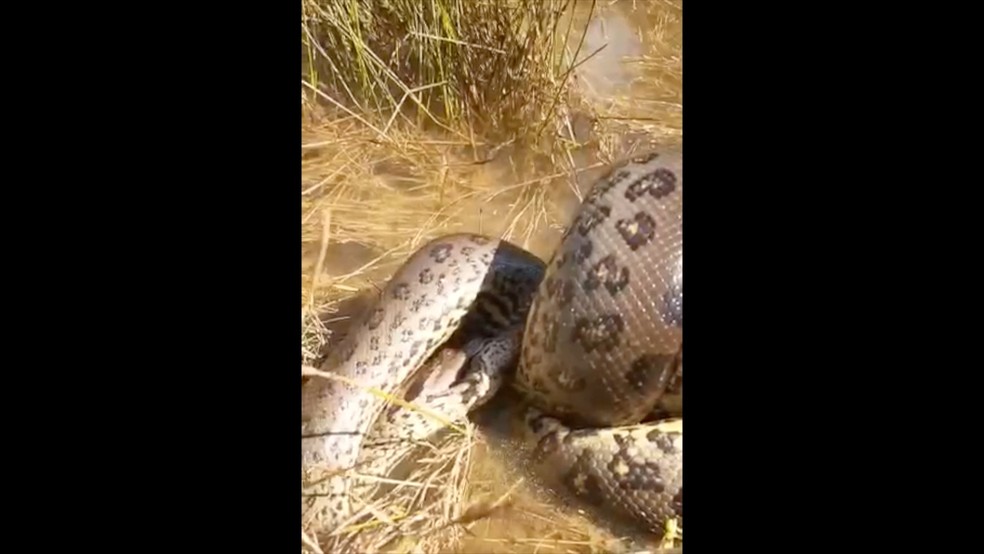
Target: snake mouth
x=438 y=373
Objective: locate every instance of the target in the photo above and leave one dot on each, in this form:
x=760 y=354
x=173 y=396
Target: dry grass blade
x=308 y=371
x=309 y=542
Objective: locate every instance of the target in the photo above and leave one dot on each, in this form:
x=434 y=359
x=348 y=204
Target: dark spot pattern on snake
x=665 y=441
x=401 y=291
x=650 y=371
x=561 y=290
x=671 y=444
x=440 y=253
x=631 y=474
x=602 y=334
x=567 y=380
x=605 y=184
x=583 y=252
x=638 y=231
x=592 y=217
x=583 y=484
x=398 y=321
x=607 y=272
x=419 y=303
x=658 y=184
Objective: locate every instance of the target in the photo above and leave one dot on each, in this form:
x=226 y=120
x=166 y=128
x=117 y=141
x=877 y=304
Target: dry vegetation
x=423 y=117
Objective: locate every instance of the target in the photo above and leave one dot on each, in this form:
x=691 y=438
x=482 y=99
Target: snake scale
x=595 y=335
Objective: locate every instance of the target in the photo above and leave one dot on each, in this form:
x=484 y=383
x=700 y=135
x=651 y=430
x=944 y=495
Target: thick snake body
x=603 y=345
x=489 y=281
x=596 y=334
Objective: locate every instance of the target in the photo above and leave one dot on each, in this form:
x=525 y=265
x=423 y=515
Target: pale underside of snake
x=596 y=334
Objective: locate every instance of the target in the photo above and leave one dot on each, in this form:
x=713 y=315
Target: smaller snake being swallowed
x=596 y=333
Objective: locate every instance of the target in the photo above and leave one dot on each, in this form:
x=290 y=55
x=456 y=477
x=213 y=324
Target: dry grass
x=488 y=64
x=420 y=510
x=435 y=116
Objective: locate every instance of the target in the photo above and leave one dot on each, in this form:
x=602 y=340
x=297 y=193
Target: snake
x=591 y=339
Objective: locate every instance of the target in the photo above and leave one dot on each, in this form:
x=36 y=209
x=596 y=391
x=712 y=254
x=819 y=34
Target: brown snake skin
x=476 y=282
x=604 y=343
x=602 y=348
